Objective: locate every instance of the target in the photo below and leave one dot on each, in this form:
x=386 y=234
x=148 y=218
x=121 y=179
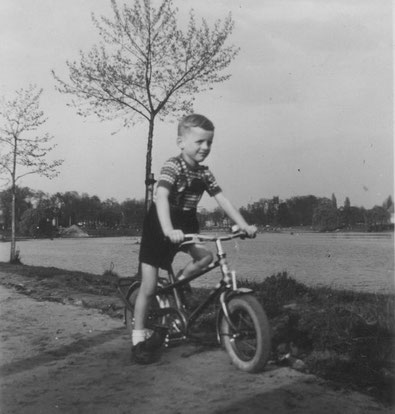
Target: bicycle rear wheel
x=154 y=319
x=248 y=342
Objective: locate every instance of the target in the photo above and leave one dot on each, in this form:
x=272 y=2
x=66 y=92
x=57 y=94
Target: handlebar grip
x=189 y=237
x=236 y=230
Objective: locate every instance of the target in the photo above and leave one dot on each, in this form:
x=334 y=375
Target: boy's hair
x=194 y=120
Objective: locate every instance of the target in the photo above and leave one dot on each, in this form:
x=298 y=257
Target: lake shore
x=354 y=261
x=125 y=232
x=344 y=337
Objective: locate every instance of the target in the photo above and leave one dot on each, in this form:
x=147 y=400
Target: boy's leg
x=145 y=342
x=144 y=297
x=201 y=258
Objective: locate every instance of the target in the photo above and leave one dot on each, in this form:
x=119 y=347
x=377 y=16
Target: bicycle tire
x=249 y=346
x=152 y=319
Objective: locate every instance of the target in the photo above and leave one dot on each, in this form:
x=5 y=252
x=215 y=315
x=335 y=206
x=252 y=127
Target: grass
x=344 y=336
x=341 y=335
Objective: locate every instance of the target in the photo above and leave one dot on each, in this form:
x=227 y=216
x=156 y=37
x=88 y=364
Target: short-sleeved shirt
x=186 y=184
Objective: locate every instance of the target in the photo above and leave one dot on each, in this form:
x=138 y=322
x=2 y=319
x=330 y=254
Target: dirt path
x=59 y=358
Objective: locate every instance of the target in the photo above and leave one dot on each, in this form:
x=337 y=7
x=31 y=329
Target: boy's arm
x=234 y=214
x=163 y=209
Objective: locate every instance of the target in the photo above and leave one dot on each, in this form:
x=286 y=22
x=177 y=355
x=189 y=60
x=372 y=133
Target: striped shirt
x=186 y=184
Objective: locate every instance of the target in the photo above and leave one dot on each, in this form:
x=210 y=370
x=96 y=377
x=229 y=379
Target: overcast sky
x=308 y=109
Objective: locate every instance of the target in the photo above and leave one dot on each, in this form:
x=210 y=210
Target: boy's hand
x=175 y=236
x=250 y=231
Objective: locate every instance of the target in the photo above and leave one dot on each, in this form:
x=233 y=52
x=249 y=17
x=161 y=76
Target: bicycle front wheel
x=247 y=338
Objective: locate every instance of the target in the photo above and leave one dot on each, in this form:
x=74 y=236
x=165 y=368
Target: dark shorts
x=155 y=249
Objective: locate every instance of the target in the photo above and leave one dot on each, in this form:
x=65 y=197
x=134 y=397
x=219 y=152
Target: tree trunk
x=13 y=236
x=149 y=177
x=13 y=256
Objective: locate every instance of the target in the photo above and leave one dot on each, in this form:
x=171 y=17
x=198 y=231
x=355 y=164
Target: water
x=356 y=261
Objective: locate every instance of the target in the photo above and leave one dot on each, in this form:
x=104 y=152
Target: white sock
x=140 y=335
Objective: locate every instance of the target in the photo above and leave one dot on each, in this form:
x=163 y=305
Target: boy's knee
x=148 y=289
x=149 y=280
x=206 y=259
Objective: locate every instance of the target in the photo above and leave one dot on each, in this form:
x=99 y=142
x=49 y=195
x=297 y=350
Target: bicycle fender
x=240 y=291
x=223 y=311
x=125 y=299
x=136 y=284
x=132 y=287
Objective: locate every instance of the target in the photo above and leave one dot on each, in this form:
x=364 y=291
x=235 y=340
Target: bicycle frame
x=242 y=325
x=172 y=288
x=226 y=287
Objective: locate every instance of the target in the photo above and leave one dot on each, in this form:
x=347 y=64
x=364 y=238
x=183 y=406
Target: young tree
x=22 y=152
x=146 y=67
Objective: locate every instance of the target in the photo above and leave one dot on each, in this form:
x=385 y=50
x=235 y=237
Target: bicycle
x=242 y=326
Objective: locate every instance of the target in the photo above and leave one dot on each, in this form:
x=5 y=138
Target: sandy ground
x=60 y=358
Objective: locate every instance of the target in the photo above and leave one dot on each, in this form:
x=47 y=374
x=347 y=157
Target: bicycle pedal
x=174 y=338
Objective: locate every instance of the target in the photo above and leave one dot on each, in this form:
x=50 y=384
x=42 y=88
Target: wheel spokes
x=244 y=337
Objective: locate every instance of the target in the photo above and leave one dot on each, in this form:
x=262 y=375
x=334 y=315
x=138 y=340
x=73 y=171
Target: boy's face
x=195 y=145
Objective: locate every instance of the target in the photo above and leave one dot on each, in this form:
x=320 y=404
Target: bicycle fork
x=224 y=299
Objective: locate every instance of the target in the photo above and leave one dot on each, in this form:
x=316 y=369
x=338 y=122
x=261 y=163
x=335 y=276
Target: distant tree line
x=321 y=214
x=40 y=215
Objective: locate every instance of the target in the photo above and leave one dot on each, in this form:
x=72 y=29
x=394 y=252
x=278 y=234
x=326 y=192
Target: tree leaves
x=23 y=152
x=145 y=66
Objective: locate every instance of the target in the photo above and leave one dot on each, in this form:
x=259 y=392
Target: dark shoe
x=156 y=340
x=141 y=354
x=145 y=352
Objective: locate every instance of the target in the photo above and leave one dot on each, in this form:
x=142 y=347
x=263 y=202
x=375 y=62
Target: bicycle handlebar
x=195 y=238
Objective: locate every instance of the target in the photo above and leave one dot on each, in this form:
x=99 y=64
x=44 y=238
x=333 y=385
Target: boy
x=181 y=184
